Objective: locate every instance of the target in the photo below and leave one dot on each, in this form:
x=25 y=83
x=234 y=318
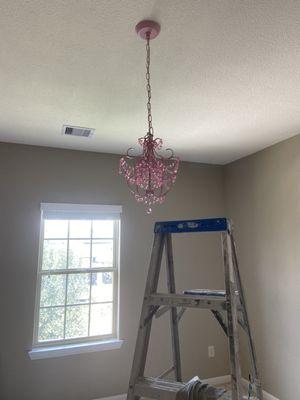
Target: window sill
x=71 y=349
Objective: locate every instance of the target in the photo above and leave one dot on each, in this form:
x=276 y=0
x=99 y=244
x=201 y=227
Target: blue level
x=194 y=225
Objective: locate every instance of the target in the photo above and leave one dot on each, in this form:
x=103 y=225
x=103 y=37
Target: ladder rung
x=157 y=388
x=206 y=292
x=187 y=300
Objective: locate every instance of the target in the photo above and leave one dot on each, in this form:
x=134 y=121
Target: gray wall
x=30 y=175
x=263 y=198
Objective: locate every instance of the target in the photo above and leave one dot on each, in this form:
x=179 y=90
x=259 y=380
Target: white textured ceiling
x=226 y=74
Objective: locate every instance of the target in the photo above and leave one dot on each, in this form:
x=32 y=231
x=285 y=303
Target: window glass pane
x=55 y=254
x=51 y=324
x=102 y=287
x=101 y=319
x=77 y=321
x=80 y=229
x=81 y=304
x=79 y=253
x=53 y=290
x=102 y=253
x=103 y=228
x=78 y=288
x=55 y=229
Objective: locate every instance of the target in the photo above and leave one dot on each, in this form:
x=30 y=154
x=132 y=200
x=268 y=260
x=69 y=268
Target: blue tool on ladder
x=228 y=307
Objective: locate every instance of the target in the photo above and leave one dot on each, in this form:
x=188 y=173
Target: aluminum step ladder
x=228 y=307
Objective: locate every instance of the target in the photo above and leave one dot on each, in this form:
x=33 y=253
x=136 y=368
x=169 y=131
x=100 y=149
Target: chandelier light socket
x=146 y=27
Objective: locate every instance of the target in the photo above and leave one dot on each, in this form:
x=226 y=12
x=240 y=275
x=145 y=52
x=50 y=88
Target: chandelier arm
x=166 y=191
x=161 y=157
x=129 y=155
x=172 y=153
x=134 y=191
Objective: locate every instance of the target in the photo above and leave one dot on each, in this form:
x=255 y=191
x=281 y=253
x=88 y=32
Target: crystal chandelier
x=149 y=175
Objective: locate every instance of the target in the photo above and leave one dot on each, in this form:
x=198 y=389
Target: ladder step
x=206 y=292
x=157 y=388
x=188 y=300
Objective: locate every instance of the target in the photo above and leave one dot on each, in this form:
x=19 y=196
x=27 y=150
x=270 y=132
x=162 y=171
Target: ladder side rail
x=173 y=310
x=232 y=320
x=143 y=337
x=151 y=287
x=246 y=324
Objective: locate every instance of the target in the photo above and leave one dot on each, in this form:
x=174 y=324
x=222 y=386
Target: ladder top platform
x=194 y=225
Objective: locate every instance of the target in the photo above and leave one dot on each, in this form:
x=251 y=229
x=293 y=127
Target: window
x=77 y=285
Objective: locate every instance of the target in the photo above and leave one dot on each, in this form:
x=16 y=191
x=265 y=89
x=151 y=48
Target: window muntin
x=77 y=281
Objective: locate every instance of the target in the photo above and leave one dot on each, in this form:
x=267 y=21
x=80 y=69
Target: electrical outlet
x=211 y=351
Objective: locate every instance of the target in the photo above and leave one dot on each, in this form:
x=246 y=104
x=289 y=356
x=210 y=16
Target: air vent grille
x=69 y=130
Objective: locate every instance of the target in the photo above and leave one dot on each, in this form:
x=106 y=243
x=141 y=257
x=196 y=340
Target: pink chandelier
x=149 y=175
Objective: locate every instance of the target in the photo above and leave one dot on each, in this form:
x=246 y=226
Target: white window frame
x=86 y=212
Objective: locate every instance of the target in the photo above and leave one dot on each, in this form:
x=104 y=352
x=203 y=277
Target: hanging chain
x=148 y=85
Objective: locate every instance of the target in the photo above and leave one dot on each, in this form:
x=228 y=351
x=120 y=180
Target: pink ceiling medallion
x=149 y=175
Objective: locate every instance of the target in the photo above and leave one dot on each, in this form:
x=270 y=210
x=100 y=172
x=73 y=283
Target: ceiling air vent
x=77 y=131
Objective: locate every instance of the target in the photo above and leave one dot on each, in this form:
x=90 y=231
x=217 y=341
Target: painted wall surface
x=263 y=199
x=31 y=175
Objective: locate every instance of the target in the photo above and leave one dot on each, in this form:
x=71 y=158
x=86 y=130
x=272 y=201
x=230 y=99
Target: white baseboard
x=218 y=380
